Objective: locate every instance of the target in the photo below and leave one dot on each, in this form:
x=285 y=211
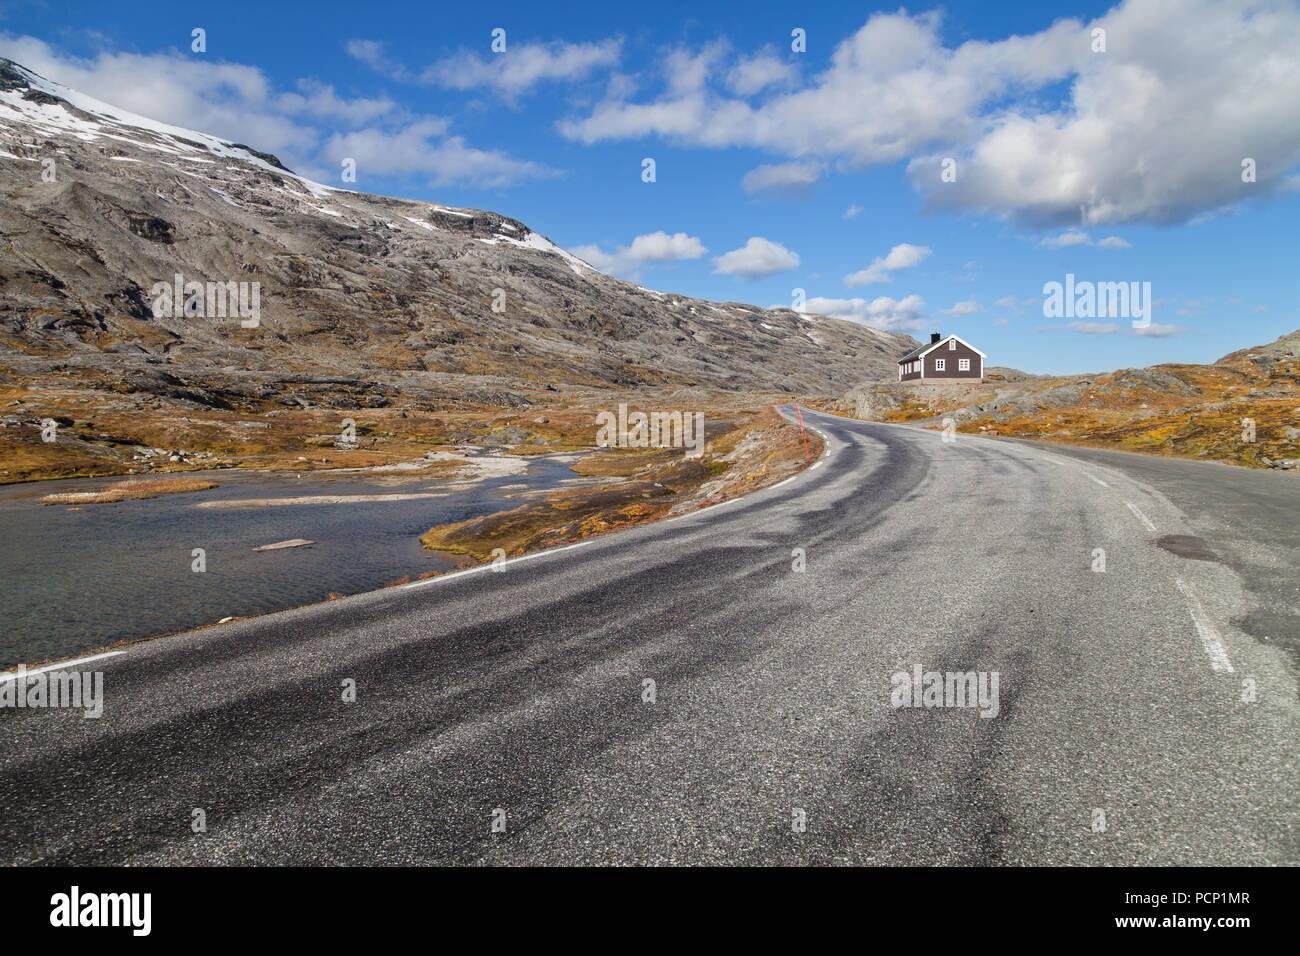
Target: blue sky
x=776 y=169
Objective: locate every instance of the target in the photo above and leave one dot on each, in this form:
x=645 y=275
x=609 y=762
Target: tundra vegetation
x=744 y=450
x=1243 y=409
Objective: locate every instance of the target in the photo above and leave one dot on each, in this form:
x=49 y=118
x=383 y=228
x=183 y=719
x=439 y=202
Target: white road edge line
x=62 y=665
x=1145 y=520
x=504 y=564
x=1209 y=636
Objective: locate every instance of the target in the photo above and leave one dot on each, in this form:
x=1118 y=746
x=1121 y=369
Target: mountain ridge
x=364 y=300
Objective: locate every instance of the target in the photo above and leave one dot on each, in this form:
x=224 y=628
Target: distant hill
x=1194 y=411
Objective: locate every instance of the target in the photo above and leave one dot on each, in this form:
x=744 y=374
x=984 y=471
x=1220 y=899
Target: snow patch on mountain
x=111 y=122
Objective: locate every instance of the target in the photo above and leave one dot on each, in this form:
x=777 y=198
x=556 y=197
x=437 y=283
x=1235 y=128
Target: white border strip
x=480 y=568
x=61 y=665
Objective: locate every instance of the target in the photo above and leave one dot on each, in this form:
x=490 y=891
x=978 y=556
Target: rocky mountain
x=360 y=300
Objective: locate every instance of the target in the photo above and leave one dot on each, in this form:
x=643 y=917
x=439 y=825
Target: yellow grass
x=129 y=490
x=654 y=483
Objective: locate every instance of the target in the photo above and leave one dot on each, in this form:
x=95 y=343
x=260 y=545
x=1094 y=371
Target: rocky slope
x=1243 y=409
x=365 y=301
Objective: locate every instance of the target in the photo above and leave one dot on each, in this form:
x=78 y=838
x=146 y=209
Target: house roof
x=920 y=350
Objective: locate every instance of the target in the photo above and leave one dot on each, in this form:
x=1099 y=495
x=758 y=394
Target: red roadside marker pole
x=802 y=429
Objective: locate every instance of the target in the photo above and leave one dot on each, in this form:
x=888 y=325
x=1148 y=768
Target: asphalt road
x=1126 y=729
x=1249 y=518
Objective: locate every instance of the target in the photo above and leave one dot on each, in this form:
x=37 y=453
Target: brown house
x=943 y=359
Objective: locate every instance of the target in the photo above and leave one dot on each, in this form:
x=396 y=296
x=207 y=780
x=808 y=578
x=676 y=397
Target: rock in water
x=291 y=543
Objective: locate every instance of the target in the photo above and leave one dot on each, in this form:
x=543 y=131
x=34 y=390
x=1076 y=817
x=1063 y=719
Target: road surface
x=1135 y=722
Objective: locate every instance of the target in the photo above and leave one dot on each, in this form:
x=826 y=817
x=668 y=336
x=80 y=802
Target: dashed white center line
x=1145 y=520
x=1205 y=628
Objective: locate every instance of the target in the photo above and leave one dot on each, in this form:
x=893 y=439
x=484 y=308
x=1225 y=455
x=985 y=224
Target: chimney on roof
x=934 y=337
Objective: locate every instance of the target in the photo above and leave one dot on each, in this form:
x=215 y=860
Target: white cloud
x=782 y=177
x=418 y=149
x=1094 y=328
x=1150 y=131
x=1014 y=304
x=852 y=211
x=758 y=72
x=1259 y=310
x=317 y=99
x=1077 y=237
x=902 y=315
x=375 y=55
x=758 y=258
x=1158 y=331
x=652 y=249
x=1001 y=321
x=310 y=128
x=902 y=256
x=1153 y=130
x=522 y=67
x=965 y=307
x=1071 y=237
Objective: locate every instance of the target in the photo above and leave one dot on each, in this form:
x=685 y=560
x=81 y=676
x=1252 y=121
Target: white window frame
x=939 y=365
x=963 y=365
x=952 y=345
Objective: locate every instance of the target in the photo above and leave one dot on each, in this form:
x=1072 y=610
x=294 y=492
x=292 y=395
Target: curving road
x=1121 y=734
